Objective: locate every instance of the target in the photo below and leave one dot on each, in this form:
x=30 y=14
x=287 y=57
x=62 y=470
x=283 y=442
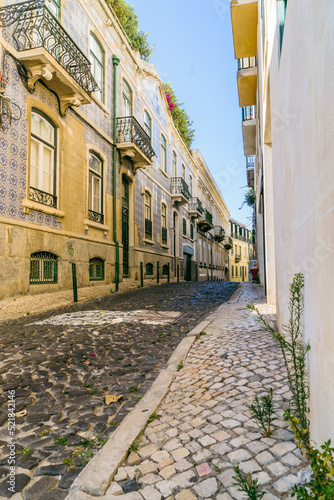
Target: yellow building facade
x=239 y=252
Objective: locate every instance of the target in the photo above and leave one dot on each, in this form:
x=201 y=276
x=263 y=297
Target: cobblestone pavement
x=204 y=426
x=63 y=363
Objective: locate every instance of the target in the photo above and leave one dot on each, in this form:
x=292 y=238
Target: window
x=183 y=172
x=43 y=160
x=43 y=268
x=54 y=7
x=184 y=227
x=97 y=58
x=236 y=271
x=147 y=124
x=191 y=185
x=148 y=215
x=164 y=223
x=236 y=249
x=163 y=154
x=96 y=269
x=95 y=189
x=165 y=270
x=281 y=13
x=174 y=164
x=232 y=269
x=149 y=269
x=191 y=231
x=126 y=99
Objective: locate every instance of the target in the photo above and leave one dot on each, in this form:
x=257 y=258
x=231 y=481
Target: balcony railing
x=179 y=187
x=248 y=113
x=195 y=205
x=164 y=235
x=148 y=228
x=219 y=233
x=246 y=62
x=250 y=161
x=237 y=257
x=38 y=28
x=205 y=221
x=130 y=131
x=95 y=217
x=42 y=197
x=228 y=243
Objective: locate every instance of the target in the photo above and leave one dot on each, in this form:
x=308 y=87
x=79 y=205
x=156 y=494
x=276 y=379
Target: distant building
x=239 y=253
x=95 y=172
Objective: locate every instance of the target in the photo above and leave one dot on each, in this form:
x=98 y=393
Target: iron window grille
x=179 y=186
x=149 y=269
x=95 y=217
x=129 y=130
x=37 y=27
x=43 y=268
x=43 y=198
x=96 y=269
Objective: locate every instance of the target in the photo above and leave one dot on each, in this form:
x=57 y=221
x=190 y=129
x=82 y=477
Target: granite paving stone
x=236 y=360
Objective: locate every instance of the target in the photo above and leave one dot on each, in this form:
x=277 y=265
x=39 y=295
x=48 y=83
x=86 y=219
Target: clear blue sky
x=194 y=51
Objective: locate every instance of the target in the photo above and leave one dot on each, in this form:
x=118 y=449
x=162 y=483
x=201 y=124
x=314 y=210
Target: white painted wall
x=302 y=109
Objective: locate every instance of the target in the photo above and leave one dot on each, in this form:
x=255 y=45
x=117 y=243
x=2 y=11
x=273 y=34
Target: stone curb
x=95 y=478
x=236 y=295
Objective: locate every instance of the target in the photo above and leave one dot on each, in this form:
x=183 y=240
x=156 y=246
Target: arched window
x=95 y=189
x=174 y=164
x=183 y=172
x=149 y=269
x=126 y=99
x=164 y=223
x=163 y=153
x=147 y=124
x=97 y=59
x=184 y=227
x=43 y=268
x=165 y=270
x=96 y=269
x=148 y=215
x=43 y=159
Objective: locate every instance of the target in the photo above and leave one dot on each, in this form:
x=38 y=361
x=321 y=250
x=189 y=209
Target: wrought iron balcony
x=42 y=197
x=228 y=243
x=95 y=217
x=246 y=62
x=49 y=53
x=219 y=233
x=237 y=257
x=148 y=229
x=164 y=235
x=133 y=142
x=195 y=207
x=180 y=193
x=248 y=113
x=205 y=221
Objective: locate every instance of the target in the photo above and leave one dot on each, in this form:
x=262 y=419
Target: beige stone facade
x=293 y=148
x=60 y=178
x=239 y=253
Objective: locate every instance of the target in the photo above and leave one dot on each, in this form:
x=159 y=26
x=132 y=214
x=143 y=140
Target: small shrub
x=245 y=482
x=180 y=366
x=263 y=411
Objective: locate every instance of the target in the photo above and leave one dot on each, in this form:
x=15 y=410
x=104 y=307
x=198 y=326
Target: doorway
x=125 y=225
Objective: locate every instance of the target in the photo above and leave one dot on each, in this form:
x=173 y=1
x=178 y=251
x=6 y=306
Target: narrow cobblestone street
x=204 y=425
x=63 y=363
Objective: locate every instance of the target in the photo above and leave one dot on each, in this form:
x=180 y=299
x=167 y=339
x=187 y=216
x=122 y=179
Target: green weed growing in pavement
x=45 y=432
x=89 y=445
x=245 y=482
x=92 y=392
x=61 y=440
x=113 y=422
x=136 y=397
x=135 y=445
x=133 y=388
x=180 y=366
x=67 y=461
x=294 y=350
x=263 y=412
x=26 y=451
x=153 y=417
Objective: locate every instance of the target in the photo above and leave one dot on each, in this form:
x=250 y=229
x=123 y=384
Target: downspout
x=115 y=62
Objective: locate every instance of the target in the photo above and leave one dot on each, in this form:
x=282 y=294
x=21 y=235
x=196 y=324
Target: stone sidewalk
x=22 y=305
x=204 y=425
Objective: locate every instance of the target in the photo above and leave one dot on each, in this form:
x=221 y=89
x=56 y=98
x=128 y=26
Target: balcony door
x=125 y=226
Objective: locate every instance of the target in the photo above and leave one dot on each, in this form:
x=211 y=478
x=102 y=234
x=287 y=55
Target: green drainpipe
x=115 y=62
